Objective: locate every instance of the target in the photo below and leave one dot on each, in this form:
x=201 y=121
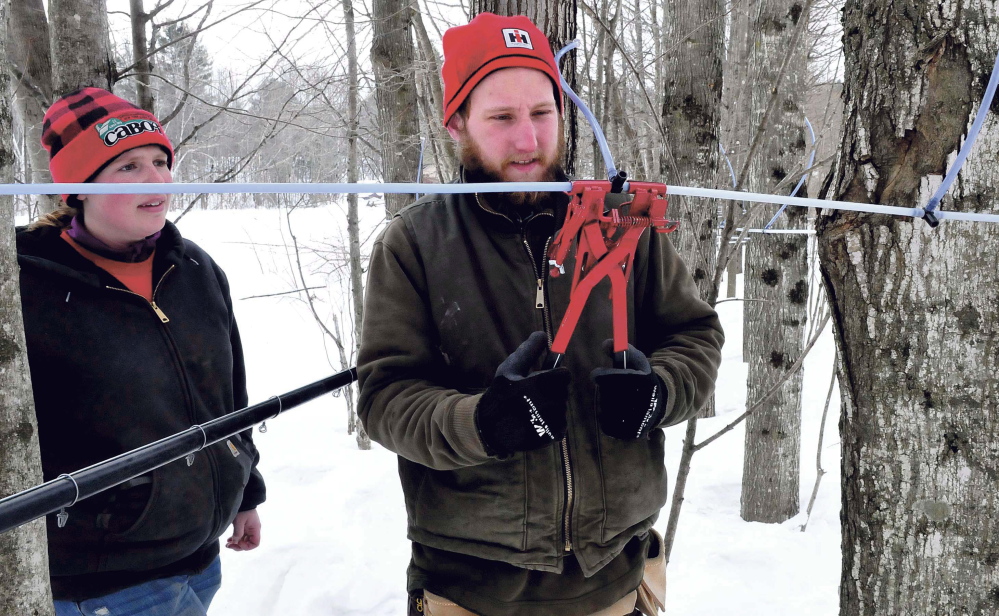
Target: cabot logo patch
x=114 y=130
x=514 y=37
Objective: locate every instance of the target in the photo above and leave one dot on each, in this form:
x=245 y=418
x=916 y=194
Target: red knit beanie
x=488 y=43
x=85 y=130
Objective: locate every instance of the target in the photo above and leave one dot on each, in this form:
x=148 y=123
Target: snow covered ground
x=334 y=523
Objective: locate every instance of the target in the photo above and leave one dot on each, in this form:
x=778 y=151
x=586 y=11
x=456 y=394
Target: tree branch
x=281 y=293
x=820 y=472
x=24 y=79
x=773 y=390
x=187 y=69
x=156 y=50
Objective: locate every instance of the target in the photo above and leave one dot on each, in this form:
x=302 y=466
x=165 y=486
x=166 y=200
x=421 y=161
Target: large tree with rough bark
x=916 y=313
x=24 y=563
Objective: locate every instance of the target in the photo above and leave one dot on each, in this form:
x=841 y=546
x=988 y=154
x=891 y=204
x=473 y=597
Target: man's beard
x=520 y=202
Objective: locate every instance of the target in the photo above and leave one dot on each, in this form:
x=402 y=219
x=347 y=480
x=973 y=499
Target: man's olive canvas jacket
x=453 y=289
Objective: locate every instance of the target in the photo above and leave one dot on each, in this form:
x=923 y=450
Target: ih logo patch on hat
x=517 y=38
x=473 y=51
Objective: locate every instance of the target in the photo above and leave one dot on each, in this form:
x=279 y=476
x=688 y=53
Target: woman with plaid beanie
x=137 y=324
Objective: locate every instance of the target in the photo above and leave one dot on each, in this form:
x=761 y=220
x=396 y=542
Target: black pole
x=67 y=490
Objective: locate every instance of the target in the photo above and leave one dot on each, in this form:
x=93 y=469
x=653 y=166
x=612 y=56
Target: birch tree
x=776 y=278
x=916 y=314
x=81 y=49
x=392 y=58
x=24 y=563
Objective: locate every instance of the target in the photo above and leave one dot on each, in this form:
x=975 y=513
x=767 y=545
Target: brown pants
x=649 y=598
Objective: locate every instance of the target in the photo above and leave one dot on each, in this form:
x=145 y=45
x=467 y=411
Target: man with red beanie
x=529 y=491
x=131 y=337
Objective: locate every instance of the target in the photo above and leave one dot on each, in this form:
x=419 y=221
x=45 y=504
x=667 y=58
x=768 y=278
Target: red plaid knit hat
x=85 y=130
x=488 y=43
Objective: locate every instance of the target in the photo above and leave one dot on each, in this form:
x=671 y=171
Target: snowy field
x=334 y=538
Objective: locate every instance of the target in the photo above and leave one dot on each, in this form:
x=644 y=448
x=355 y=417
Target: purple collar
x=136 y=252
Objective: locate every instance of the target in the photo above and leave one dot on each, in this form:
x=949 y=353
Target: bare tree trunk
x=29 y=54
x=441 y=142
x=392 y=57
x=353 y=226
x=596 y=90
x=81 y=51
x=608 y=82
x=691 y=113
x=735 y=125
x=140 y=57
x=776 y=272
x=777 y=275
x=657 y=47
x=916 y=314
x=724 y=255
x=557 y=19
x=24 y=563
x=353 y=229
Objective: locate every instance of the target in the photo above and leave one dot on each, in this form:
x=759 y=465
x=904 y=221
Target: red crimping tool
x=606 y=242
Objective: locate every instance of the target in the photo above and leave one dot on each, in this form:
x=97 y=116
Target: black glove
x=523 y=410
x=630 y=401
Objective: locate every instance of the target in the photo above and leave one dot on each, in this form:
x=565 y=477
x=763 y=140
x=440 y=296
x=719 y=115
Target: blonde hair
x=59 y=218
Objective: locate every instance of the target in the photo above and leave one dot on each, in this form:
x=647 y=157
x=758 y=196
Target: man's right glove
x=523 y=410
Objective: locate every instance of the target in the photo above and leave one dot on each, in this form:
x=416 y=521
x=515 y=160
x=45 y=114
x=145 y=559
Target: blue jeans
x=181 y=595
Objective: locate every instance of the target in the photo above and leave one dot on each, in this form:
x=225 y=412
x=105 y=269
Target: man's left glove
x=630 y=401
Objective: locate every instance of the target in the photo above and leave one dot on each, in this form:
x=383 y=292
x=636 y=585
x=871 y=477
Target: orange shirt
x=137 y=277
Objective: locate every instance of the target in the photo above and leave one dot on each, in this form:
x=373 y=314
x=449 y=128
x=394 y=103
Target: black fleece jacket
x=112 y=371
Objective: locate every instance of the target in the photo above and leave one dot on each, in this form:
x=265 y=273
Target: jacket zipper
x=152 y=302
x=568 y=494
x=212 y=463
x=541 y=304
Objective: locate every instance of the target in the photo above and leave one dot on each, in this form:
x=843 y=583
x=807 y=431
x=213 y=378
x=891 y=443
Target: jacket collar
x=171 y=245
x=500 y=221
x=43 y=249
